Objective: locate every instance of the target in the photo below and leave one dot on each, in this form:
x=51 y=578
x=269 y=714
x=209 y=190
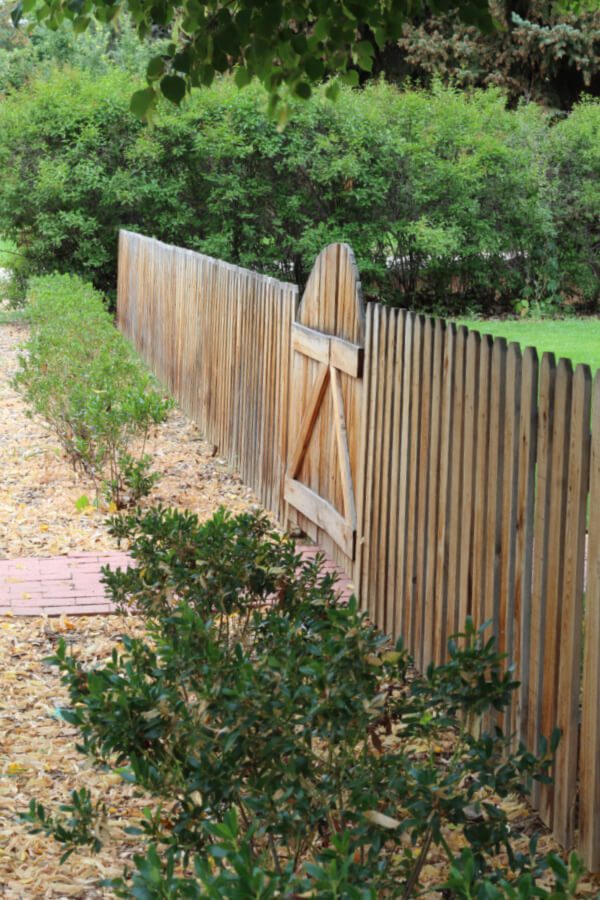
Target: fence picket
x=465 y=584
x=571 y=602
x=589 y=767
x=395 y=521
x=527 y=448
x=443 y=525
x=400 y=536
x=556 y=564
x=458 y=477
x=433 y=497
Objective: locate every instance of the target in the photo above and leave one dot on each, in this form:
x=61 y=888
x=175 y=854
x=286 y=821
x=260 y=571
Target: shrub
x=575 y=162
x=35 y=51
x=290 y=748
x=442 y=196
x=82 y=377
x=448 y=199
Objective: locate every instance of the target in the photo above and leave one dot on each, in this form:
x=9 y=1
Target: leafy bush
x=290 y=748
x=447 y=199
x=82 y=377
x=575 y=158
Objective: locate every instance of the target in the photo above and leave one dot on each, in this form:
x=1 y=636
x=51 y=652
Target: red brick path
x=70 y=585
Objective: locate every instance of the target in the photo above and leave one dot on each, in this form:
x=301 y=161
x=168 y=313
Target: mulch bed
x=39 y=759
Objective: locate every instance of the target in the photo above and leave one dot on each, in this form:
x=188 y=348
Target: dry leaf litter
x=38 y=517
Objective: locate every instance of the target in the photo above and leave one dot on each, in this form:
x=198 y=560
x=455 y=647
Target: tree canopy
x=287 y=44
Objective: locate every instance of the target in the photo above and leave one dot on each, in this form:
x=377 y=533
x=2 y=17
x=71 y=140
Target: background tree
x=287 y=44
x=547 y=52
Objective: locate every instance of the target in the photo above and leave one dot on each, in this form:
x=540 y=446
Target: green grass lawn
x=576 y=338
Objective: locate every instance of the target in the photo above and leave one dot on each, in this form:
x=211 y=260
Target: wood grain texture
x=589 y=763
x=218 y=337
x=541 y=528
x=555 y=564
x=569 y=652
x=328 y=337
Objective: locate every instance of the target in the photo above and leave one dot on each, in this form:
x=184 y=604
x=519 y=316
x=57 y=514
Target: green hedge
x=450 y=201
x=83 y=378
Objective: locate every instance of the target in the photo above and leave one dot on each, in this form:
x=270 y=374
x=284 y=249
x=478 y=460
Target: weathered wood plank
x=443 y=527
x=540 y=557
x=527 y=447
x=346 y=357
x=311 y=343
x=555 y=563
x=430 y=574
x=455 y=548
x=342 y=448
x=321 y=512
x=465 y=551
x=395 y=523
x=571 y=610
x=400 y=534
x=313 y=406
x=364 y=474
x=589 y=771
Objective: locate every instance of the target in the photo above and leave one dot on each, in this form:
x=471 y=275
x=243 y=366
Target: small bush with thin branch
x=82 y=377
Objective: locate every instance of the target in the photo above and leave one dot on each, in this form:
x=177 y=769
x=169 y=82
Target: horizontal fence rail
x=477 y=478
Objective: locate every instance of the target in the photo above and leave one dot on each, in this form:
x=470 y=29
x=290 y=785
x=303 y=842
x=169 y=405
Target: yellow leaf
x=378 y=818
x=373 y=660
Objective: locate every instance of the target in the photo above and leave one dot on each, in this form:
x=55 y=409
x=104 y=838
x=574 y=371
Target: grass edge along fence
x=473 y=474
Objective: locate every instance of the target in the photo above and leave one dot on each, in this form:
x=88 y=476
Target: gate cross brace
x=329 y=349
x=342 y=529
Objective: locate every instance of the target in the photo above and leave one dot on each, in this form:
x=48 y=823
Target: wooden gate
x=325 y=405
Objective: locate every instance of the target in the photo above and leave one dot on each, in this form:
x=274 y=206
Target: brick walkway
x=54 y=586
x=70 y=585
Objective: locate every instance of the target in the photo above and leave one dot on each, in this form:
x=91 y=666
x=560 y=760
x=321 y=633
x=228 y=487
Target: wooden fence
x=219 y=338
x=450 y=473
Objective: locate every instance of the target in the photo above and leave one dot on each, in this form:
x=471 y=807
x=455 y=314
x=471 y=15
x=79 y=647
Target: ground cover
x=39 y=757
x=577 y=338
x=13 y=316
